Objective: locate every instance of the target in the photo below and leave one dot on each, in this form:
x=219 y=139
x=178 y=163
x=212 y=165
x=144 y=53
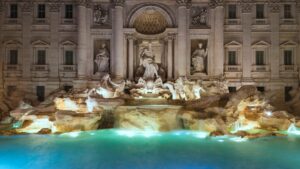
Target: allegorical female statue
x=102 y=59
x=147 y=60
x=199 y=59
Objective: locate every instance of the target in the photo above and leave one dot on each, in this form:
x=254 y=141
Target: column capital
x=85 y=3
x=246 y=6
x=118 y=2
x=185 y=3
x=27 y=6
x=54 y=5
x=130 y=36
x=274 y=6
x=216 y=3
x=170 y=36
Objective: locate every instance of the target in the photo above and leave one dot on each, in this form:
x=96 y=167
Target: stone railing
x=260 y=21
x=40 y=21
x=233 y=68
x=40 y=67
x=12 y=67
x=67 y=68
x=233 y=21
x=288 y=21
x=288 y=68
x=260 y=68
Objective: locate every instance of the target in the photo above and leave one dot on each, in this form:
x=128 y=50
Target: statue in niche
x=100 y=15
x=102 y=59
x=149 y=69
x=200 y=17
x=199 y=58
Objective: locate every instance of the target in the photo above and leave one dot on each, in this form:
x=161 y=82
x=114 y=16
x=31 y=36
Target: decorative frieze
x=246 y=6
x=86 y=3
x=274 y=6
x=215 y=3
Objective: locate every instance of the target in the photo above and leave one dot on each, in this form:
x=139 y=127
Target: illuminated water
x=112 y=149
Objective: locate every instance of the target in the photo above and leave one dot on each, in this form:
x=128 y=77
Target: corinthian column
x=82 y=41
x=219 y=37
x=118 y=60
x=181 y=66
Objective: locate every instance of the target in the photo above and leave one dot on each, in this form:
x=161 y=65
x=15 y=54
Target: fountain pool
x=127 y=149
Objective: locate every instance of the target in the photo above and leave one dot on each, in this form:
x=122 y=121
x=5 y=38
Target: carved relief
x=54 y=5
x=199 y=56
x=274 y=6
x=246 y=6
x=27 y=6
x=100 y=15
x=199 y=16
x=101 y=57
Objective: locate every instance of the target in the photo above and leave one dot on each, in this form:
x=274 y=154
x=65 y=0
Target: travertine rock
x=67 y=121
x=147 y=118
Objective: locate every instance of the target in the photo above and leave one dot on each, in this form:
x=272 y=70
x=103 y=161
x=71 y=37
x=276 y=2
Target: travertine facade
x=47 y=44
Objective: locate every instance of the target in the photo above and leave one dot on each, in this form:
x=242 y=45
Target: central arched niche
x=150 y=22
x=150 y=19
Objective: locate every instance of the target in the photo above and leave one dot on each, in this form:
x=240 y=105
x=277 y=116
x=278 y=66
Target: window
x=13 y=11
x=232 y=89
x=68 y=11
x=287 y=96
x=232 y=11
x=287 y=11
x=40 y=93
x=69 y=57
x=13 y=57
x=260 y=11
x=288 y=57
x=260 y=58
x=232 y=58
x=41 y=57
x=260 y=89
x=10 y=90
x=41 y=12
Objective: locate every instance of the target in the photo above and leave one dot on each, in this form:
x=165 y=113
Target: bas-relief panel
x=199 y=57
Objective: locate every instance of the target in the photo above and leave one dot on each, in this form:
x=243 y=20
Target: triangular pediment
x=289 y=43
x=263 y=44
x=68 y=43
x=40 y=43
x=233 y=44
x=12 y=42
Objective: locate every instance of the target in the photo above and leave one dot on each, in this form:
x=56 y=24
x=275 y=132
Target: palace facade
x=50 y=44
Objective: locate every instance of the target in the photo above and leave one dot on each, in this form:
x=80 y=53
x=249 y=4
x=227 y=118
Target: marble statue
x=108 y=89
x=100 y=15
x=147 y=60
x=199 y=59
x=102 y=59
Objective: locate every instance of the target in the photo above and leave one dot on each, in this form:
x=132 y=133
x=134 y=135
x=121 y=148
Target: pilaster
x=25 y=55
x=274 y=58
x=2 y=13
x=246 y=7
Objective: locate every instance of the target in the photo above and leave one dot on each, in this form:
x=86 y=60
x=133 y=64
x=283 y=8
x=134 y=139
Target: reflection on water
x=132 y=149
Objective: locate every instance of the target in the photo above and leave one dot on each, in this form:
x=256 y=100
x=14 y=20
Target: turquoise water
x=112 y=149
